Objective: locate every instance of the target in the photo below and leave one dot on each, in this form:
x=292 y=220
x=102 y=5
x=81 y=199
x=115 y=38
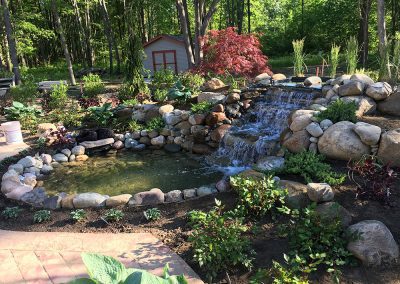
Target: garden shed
x=165 y=52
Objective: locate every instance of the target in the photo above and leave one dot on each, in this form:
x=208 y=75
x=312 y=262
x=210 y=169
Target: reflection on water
x=130 y=172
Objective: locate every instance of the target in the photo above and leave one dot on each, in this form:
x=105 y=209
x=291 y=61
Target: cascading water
x=257 y=133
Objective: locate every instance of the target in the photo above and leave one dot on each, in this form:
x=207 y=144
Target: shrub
x=339 y=111
x=179 y=92
x=28 y=116
x=26 y=92
x=128 y=91
x=107 y=270
x=257 y=196
x=11 y=212
x=152 y=214
x=202 y=107
x=78 y=215
x=58 y=96
x=237 y=54
x=374 y=179
x=41 y=216
x=130 y=102
x=311 y=167
x=102 y=116
x=93 y=85
x=133 y=126
x=160 y=95
x=163 y=79
x=298 y=57
x=218 y=243
x=41 y=142
x=156 y=123
x=278 y=274
x=192 y=80
x=70 y=116
x=113 y=215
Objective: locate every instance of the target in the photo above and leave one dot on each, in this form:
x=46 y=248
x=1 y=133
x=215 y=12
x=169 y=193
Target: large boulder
x=35 y=197
x=219 y=133
x=365 y=79
x=215 y=117
x=300 y=122
x=214 y=85
x=313 y=80
x=152 y=197
x=389 y=147
x=60 y=158
x=379 y=91
x=78 y=150
x=339 y=80
x=368 y=133
x=89 y=199
x=374 y=245
x=297 y=194
x=341 y=142
x=278 y=77
x=297 y=141
x=320 y=192
x=365 y=105
x=391 y=105
x=118 y=200
x=171 y=118
x=352 y=88
x=19 y=191
x=27 y=162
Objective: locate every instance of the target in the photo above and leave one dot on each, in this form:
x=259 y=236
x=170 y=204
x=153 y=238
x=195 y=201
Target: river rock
x=232 y=98
x=30 y=179
x=210 y=97
x=35 y=197
x=368 y=133
x=325 y=124
x=139 y=147
x=118 y=145
x=341 y=142
x=60 y=158
x=389 y=147
x=297 y=141
x=270 y=163
x=98 y=143
x=320 y=192
x=391 y=105
x=158 y=141
x=165 y=109
x=189 y=193
x=332 y=211
x=54 y=202
x=278 y=77
x=313 y=80
x=78 y=150
x=46 y=169
x=196 y=119
x=172 y=118
x=152 y=197
x=71 y=158
x=379 y=91
x=365 y=79
x=300 y=122
x=9 y=185
x=297 y=194
x=375 y=245
x=89 y=199
x=314 y=129
x=206 y=190
x=19 y=191
x=218 y=134
x=214 y=118
x=352 y=88
x=46 y=159
x=262 y=76
x=153 y=134
x=214 y=85
x=18 y=168
x=223 y=185
x=27 y=162
x=365 y=105
x=118 y=200
x=81 y=158
x=66 y=152
x=117 y=137
x=173 y=196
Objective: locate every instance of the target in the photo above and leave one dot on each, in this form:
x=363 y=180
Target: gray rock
x=172 y=118
x=320 y=192
x=54 y=202
x=270 y=163
x=174 y=196
x=118 y=145
x=66 y=152
x=300 y=122
x=325 y=124
x=47 y=169
x=313 y=147
x=27 y=162
x=98 y=143
x=206 y=190
x=46 y=158
x=189 y=193
x=119 y=137
x=314 y=140
x=352 y=88
x=144 y=133
x=368 y=133
x=60 y=158
x=375 y=245
x=158 y=141
x=78 y=150
x=333 y=211
x=391 y=105
x=118 y=200
x=314 y=129
x=379 y=91
x=223 y=185
x=130 y=143
x=339 y=80
x=32 y=170
x=313 y=80
x=389 y=147
x=210 y=97
x=89 y=199
x=153 y=134
x=18 y=168
x=136 y=135
x=35 y=197
x=362 y=78
x=152 y=197
x=297 y=141
x=71 y=158
x=365 y=105
x=297 y=194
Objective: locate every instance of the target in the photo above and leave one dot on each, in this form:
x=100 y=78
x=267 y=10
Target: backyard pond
x=132 y=172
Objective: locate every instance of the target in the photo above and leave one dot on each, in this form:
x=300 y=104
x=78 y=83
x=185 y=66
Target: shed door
x=165 y=59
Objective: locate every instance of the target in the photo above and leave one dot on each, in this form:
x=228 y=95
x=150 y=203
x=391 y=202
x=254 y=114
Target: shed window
x=165 y=59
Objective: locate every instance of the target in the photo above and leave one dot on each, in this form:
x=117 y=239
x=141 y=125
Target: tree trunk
x=11 y=42
x=64 y=46
x=248 y=17
x=83 y=34
x=365 y=9
x=381 y=27
x=184 y=18
x=7 y=55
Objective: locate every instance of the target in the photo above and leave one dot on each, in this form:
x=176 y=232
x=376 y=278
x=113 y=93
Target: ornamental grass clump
x=298 y=57
x=351 y=55
x=334 y=60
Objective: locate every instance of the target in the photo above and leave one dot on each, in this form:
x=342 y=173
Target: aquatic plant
x=351 y=55
x=334 y=59
x=298 y=57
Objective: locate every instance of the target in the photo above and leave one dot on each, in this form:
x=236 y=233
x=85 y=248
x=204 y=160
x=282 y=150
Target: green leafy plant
x=133 y=126
x=334 y=60
x=41 y=216
x=257 y=196
x=163 y=79
x=278 y=274
x=396 y=58
x=18 y=110
x=93 y=85
x=113 y=215
x=152 y=214
x=26 y=92
x=11 y=212
x=311 y=167
x=351 y=55
x=160 y=95
x=298 y=59
x=130 y=102
x=78 y=215
x=58 y=96
x=218 y=242
x=202 y=107
x=192 y=80
x=339 y=110
x=102 y=115
x=69 y=116
x=156 y=123
x=41 y=142
x=179 y=92
x=107 y=270
x=129 y=91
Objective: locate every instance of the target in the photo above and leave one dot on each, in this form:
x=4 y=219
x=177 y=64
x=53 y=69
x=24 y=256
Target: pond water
x=130 y=172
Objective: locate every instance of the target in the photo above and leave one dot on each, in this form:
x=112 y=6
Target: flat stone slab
x=55 y=257
x=9 y=150
x=98 y=143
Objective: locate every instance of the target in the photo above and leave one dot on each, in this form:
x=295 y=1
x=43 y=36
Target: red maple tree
x=238 y=54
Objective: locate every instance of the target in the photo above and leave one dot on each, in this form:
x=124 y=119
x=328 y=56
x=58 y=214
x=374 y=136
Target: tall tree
x=63 y=42
x=365 y=10
x=11 y=42
x=83 y=34
x=381 y=27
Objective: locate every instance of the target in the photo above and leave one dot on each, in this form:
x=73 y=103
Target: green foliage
x=278 y=274
x=257 y=196
x=298 y=57
x=163 y=79
x=41 y=216
x=351 y=55
x=130 y=102
x=101 y=115
x=28 y=116
x=179 y=92
x=69 y=116
x=58 y=96
x=160 y=95
x=334 y=60
x=218 y=243
x=338 y=111
x=78 y=215
x=11 y=212
x=192 y=80
x=384 y=64
x=129 y=91
x=202 y=107
x=93 y=85
x=27 y=92
x=312 y=168
x=152 y=214
x=41 y=142
x=155 y=123
x=107 y=270
x=113 y=215
x=133 y=126
x=396 y=58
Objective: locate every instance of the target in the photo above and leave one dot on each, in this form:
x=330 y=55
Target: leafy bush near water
x=156 y=123
x=58 y=96
x=339 y=111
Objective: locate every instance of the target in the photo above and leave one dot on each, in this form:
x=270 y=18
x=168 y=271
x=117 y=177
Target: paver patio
x=52 y=257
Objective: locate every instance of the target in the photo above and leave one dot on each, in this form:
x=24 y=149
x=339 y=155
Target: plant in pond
x=257 y=196
x=107 y=270
x=298 y=57
x=93 y=85
x=156 y=123
x=101 y=115
x=41 y=216
x=11 y=212
x=152 y=214
x=202 y=107
x=218 y=243
x=374 y=179
x=278 y=274
x=113 y=215
x=351 y=55
x=78 y=215
x=338 y=111
x=58 y=96
x=334 y=60
x=192 y=80
x=179 y=92
x=316 y=241
x=311 y=167
x=160 y=95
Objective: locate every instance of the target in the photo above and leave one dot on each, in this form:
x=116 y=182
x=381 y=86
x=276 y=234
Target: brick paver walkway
x=50 y=257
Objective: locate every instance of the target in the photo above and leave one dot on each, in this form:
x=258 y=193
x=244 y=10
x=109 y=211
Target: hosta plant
x=113 y=215
x=11 y=212
x=152 y=214
x=78 y=215
x=102 y=115
x=107 y=270
x=179 y=92
x=41 y=216
x=17 y=110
